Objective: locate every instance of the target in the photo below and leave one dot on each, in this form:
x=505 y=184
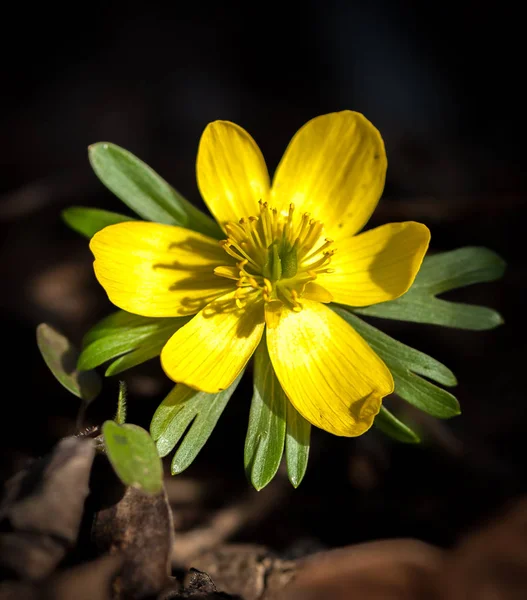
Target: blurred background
x=443 y=83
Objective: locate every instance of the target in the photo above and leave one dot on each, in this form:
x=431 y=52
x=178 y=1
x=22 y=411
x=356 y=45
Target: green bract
x=88 y=221
x=144 y=191
x=182 y=408
x=441 y=273
x=406 y=365
x=129 y=339
x=264 y=444
x=390 y=425
x=273 y=423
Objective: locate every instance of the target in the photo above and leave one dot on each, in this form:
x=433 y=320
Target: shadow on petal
x=365 y=409
x=208 y=250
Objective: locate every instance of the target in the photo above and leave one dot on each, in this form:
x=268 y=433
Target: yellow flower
x=289 y=249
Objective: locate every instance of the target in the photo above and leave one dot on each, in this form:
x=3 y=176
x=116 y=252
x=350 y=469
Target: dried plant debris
x=44 y=505
x=138 y=526
x=196 y=586
x=250 y=571
x=42 y=508
x=89 y=581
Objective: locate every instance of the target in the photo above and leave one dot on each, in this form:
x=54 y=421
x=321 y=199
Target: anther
x=267 y=285
x=297 y=306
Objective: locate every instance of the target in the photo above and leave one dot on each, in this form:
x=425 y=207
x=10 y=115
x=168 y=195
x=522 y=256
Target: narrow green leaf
x=447 y=271
x=390 y=425
x=134 y=358
x=418 y=308
x=133 y=455
x=116 y=323
x=297 y=441
x=173 y=416
x=137 y=338
x=144 y=191
x=120 y=416
x=441 y=273
x=88 y=221
x=185 y=408
x=422 y=394
x=264 y=444
x=406 y=364
x=61 y=356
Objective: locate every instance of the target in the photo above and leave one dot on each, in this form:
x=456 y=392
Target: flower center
x=277 y=255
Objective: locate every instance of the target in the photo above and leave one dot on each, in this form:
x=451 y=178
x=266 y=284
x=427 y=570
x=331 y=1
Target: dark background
x=443 y=83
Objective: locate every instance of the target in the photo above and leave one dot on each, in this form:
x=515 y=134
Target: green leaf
x=447 y=271
x=133 y=455
x=406 y=364
x=144 y=191
x=134 y=358
x=424 y=395
x=441 y=273
x=120 y=415
x=264 y=444
x=390 y=425
x=185 y=408
x=137 y=338
x=88 y=221
x=61 y=356
x=296 y=445
x=419 y=308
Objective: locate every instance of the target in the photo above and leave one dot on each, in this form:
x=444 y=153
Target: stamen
x=228 y=246
x=267 y=285
x=296 y=304
x=254 y=233
x=321 y=262
x=235 y=231
x=325 y=245
x=325 y=271
x=315 y=230
x=304 y=224
x=287 y=226
x=304 y=232
x=228 y=272
x=276 y=255
x=275 y=219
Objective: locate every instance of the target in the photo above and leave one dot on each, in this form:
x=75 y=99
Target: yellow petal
x=329 y=373
x=334 y=168
x=158 y=270
x=378 y=265
x=210 y=351
x=231 y=172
